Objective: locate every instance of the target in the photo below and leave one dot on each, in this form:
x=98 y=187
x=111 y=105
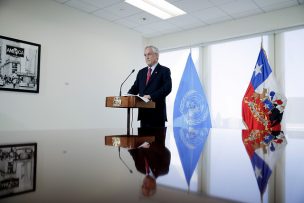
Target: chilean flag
x=263 y=103
x=264 y=148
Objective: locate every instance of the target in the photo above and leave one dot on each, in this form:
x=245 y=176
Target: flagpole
x=190 y=47
x=263 y=47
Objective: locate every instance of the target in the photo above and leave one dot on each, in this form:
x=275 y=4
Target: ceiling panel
x=263 y=3
x=106 y=15
x=212 y=15
x=199 y=13
x=103 y=3
x=238 y=6
x=80 y=5
x=141 y=19
x=186 y=22
x=279 y=5
x=193 y=5
x=122 y=9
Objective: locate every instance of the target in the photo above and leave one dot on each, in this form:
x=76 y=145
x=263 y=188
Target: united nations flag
x=191 y=119
x=191 y=106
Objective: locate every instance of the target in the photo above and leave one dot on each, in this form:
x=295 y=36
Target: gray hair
x=154 y=49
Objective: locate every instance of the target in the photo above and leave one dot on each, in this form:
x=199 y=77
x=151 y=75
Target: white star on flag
x=266 y=106
x=267 y=137
x=258 y=68
x=258 y=172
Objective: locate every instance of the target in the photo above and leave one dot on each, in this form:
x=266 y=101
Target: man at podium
x=154 y=83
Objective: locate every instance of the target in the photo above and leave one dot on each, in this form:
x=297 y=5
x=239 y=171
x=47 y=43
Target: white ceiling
x=199 y=13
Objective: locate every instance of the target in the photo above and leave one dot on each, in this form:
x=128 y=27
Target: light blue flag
x=191 y=106
x=191 y=119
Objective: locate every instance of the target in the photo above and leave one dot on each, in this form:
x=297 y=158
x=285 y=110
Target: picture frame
x=18 y=164
x=19 y=65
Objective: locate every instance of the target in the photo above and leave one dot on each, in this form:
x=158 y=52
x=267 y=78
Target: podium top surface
x=128 y=102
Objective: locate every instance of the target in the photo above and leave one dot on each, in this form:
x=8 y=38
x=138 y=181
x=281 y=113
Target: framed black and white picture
x=17 y=168
x=19 y=65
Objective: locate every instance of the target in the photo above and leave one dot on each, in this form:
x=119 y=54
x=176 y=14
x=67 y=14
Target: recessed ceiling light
x=159 y=8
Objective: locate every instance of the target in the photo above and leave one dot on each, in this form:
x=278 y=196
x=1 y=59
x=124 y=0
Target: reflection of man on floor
x=153 y=160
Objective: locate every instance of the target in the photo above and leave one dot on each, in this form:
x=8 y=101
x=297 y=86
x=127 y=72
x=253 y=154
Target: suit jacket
x=158 y=87
x=158 y=157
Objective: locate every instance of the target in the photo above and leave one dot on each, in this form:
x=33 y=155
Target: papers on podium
x=142 y=98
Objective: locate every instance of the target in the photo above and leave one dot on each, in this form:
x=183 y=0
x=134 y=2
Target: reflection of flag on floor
x=190 y=143
x=190 y=106
x=264 y=149
x=263 y=103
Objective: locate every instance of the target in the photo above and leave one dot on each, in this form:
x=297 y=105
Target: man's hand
x=144 y=145
x=147 y=96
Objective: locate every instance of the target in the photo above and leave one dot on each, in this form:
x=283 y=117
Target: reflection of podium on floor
x=149 y=135
x=128 y=102
x=126 y=141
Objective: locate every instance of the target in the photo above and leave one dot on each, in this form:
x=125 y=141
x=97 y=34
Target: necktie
x=148 y=75
x=147 y=166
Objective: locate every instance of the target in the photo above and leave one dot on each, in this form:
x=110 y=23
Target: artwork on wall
x=17 y=168
x=19 y=65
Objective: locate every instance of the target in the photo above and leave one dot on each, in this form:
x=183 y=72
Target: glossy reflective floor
x=209 y=165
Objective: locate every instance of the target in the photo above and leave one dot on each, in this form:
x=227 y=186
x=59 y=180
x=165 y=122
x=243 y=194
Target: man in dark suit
x=154 y=86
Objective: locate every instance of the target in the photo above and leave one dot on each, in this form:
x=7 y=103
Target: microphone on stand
x=125 y=81
x=123 y=161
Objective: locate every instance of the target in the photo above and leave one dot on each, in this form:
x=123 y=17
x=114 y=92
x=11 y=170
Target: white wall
x=268 y=22
x=83 y=60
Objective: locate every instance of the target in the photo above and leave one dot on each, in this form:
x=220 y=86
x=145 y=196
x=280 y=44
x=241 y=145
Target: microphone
x=125 y=81
x=123 y=160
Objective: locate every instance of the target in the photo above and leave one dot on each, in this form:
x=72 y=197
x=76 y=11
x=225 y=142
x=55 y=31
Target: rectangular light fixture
x=159 y=8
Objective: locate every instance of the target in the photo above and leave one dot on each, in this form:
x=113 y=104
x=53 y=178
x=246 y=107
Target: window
x=176 y=61
x=232 y=65
x=293 y=64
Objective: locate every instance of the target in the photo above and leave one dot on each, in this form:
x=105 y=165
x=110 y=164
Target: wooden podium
x=128 y=102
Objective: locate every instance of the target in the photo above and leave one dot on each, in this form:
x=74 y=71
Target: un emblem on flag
x=193 y=108
x=193 y=137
